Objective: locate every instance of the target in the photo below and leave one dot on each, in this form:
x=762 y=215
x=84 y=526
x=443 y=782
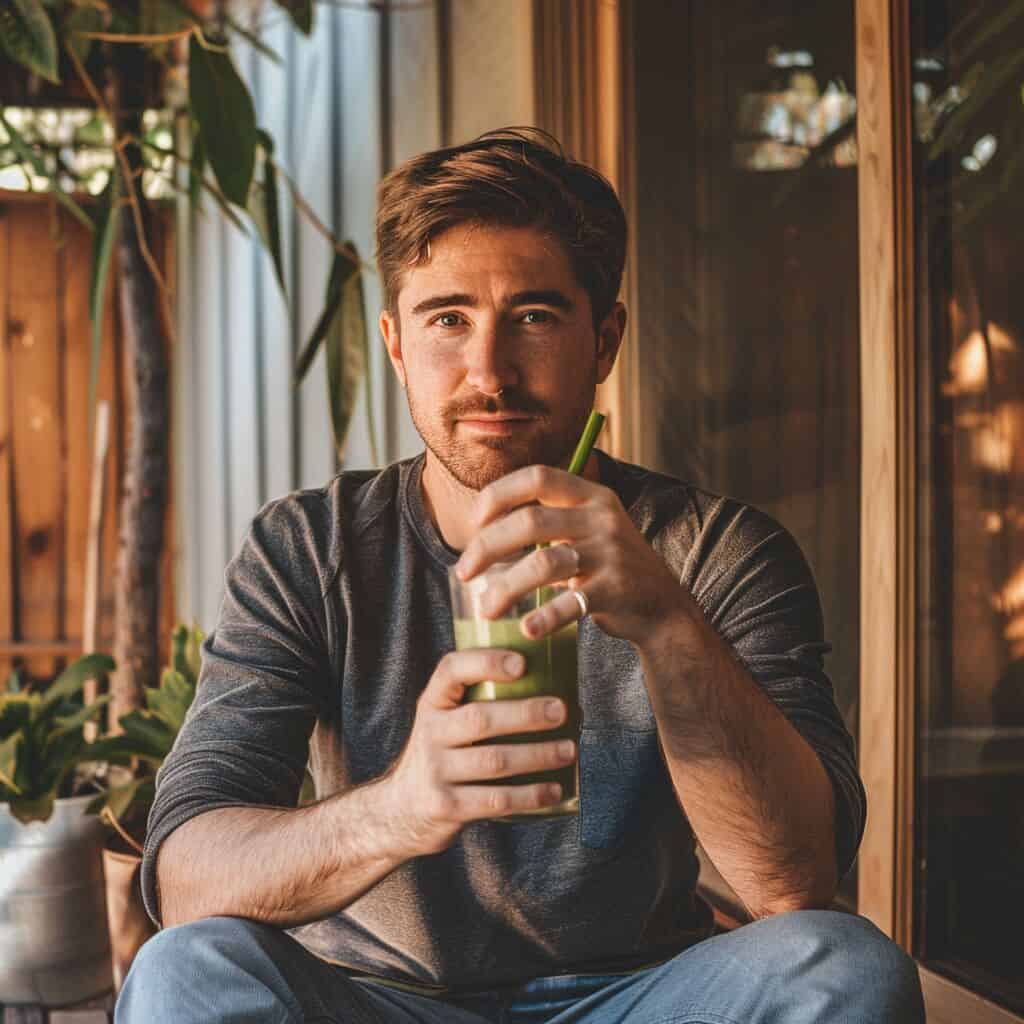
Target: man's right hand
x=430 y=792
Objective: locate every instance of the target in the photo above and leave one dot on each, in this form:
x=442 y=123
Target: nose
x=488 y=367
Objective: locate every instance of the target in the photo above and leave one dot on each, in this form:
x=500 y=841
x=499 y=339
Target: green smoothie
x=550 y=672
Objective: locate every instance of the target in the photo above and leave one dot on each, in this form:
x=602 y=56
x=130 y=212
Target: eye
x=447 y=319
x=537 y=316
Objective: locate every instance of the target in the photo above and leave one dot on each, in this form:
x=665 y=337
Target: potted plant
x=133 y=756
x=54 y=943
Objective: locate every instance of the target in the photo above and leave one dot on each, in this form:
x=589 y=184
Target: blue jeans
x=807 y=966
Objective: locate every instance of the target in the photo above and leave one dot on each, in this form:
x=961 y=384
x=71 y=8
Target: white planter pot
x=54 y=942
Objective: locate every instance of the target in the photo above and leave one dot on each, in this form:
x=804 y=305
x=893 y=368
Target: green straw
x=576 y=465
x=587 y=440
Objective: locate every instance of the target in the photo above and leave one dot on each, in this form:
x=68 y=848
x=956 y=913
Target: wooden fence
x=45 y=341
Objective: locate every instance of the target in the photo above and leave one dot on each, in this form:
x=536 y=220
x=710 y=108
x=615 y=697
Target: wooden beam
x=949 y=1003
x=888 y=464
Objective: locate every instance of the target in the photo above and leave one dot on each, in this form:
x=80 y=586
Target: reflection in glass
x=748 y=281
x=968 y=75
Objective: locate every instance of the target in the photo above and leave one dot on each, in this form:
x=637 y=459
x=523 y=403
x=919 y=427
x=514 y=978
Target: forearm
x=756 y=794
x=282 y=866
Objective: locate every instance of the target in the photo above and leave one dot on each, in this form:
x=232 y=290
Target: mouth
x=496 y=424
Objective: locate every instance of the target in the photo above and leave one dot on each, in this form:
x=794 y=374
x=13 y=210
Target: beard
x=479 y=461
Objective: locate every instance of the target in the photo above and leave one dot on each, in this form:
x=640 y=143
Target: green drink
x=551 y=671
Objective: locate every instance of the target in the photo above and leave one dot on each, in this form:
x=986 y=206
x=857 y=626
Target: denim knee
x=202 y=964
x=859 y=959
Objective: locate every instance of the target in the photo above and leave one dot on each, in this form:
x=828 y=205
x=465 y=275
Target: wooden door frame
x=888 y=461
x=888 y=645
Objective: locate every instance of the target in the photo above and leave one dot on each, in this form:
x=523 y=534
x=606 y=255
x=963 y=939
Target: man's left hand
x=595 y=548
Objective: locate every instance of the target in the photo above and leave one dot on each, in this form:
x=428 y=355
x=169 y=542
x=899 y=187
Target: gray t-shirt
x=335 y=615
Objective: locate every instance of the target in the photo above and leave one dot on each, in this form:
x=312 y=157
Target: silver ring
x=581 y=600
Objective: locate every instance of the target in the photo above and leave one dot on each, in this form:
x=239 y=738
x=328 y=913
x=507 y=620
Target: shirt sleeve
x=245 y=739
x=753 y=583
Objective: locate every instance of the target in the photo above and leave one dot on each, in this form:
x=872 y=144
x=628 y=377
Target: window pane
x=968 y=89
x=748 y=309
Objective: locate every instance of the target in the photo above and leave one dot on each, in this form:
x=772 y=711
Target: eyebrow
x=537 y=297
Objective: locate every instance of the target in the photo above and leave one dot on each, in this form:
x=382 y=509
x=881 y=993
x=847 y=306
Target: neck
x=451 y=504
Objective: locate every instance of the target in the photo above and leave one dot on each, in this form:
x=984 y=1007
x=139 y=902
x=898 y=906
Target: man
x=397 y=896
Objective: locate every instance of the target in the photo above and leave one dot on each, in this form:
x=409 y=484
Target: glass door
x=967 y=68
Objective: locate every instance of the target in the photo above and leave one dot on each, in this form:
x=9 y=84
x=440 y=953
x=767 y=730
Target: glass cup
x=551 y=671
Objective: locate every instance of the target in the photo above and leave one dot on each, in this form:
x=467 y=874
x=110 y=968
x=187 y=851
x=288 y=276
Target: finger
x=485 y=719
x=475 y=802
x=459 y=669
x=501 y=760
x=541 y=567
x=521 y=528
x=560 y=611
x=546 y=484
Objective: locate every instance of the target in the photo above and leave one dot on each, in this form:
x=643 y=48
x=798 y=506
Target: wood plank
x=79 y=1017
x=887 y=477
x=34 y=362
x=7 y=581
x=948 y=1003
x=76 y=259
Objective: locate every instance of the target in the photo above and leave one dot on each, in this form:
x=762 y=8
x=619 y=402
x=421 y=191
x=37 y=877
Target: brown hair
x=515 y=177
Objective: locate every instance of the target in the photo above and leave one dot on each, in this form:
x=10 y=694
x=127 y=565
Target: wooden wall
x=45 y=340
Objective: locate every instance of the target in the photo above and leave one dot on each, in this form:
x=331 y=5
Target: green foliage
x=227 y=140
x=301 y=13
x=342 y=330
x=226 y=116
x=26 y=33
x=148 y=735
x=41 y=740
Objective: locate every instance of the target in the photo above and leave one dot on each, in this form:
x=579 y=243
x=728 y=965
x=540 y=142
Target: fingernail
x=553 y=710
x=555 y=791
x=514 y=664
x=566 y=749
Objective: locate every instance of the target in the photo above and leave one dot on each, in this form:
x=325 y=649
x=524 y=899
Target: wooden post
x=93 y=551
x=888 y=464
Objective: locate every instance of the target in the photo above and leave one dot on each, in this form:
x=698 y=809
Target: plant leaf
x=152 y=736
x=171 y=700
x=9 y=761
x=196 y=166
x=81 y=19
x=73 y=678
x=346 y=356
x=227 y=119
x=301 y=13
x=31 y=157
x=35 y=808
x=26 y=33
x=341 y=268
x=103 y=245
x=68 y=723
x=264 y=210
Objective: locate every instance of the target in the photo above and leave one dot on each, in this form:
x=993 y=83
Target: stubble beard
x=476 y=463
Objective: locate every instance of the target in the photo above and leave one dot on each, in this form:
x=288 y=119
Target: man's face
x=498 y=309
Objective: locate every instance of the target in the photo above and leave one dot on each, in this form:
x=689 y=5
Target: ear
x=393 y=343
x=609 y=340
